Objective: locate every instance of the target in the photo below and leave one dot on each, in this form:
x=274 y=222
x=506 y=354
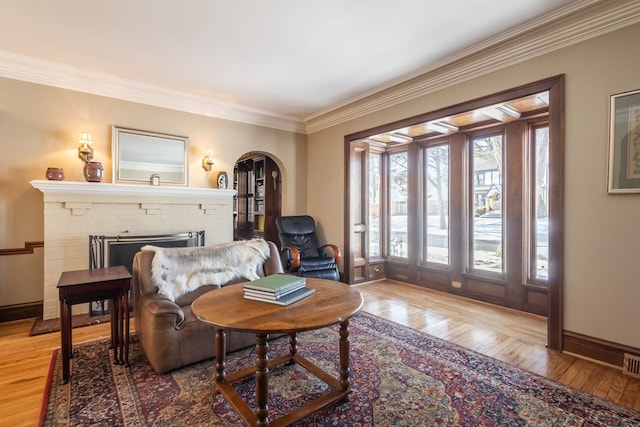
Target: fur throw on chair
x=177 y=271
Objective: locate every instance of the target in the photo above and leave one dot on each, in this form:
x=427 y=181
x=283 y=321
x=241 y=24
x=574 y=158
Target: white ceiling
x=289 y=58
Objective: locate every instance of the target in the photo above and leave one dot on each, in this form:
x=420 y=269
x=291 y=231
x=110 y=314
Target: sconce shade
x=85 y=137
x=85 y=151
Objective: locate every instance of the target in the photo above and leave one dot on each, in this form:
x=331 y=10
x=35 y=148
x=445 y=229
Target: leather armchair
x=170 y=334
x=301 y=252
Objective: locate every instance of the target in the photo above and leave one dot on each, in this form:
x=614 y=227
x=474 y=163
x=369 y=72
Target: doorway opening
x=258 y=200
x=466 y=200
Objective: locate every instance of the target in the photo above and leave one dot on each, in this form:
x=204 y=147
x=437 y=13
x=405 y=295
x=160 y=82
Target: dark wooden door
x=272 y=201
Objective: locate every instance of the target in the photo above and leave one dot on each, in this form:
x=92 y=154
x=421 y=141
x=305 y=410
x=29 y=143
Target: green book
x=272 y=295
x=287 y=299
x=275 y=283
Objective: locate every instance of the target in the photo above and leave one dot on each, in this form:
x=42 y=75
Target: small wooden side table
x=83 y=286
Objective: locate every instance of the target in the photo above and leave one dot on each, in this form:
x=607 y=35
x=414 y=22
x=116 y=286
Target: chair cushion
x=300 y=224
x=328 y=273
x=299 y=232
x=305 y=243
x=316 y=263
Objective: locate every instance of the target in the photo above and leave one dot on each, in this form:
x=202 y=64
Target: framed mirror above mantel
x=140 y=156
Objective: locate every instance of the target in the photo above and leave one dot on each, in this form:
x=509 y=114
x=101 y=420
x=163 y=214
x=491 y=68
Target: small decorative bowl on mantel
x=55 y=174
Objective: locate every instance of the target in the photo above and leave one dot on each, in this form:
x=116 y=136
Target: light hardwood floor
x=504 y=334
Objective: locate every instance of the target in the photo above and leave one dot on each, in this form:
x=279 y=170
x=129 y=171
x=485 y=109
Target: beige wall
x=39 y=127
x=602 y=236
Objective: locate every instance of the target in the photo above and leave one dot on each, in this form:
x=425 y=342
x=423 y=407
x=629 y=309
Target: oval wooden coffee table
x=226 y=309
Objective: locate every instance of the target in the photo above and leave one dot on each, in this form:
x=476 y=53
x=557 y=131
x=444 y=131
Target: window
x=540 y=216
x=436 y=205
x=375 y=197
x=398 y=204
x=486 y=210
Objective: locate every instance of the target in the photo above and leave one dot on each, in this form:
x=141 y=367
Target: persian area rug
x=400 y=377
x=77 y=321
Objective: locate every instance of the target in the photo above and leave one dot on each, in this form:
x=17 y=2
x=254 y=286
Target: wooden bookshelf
x=256 y=179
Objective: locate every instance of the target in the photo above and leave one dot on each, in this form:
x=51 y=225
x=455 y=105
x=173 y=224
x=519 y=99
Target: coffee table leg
x=262 y=380
x=344 y=356
x=221 y=349
x=293 y=346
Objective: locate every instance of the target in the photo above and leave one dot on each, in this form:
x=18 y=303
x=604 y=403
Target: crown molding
x=579 y=21
x=575 y=23
x=24 y=68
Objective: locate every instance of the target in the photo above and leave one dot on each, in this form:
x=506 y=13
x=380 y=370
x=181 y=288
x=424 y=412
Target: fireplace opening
x=109 y=251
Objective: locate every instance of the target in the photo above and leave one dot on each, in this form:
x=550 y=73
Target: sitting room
x=471 y=174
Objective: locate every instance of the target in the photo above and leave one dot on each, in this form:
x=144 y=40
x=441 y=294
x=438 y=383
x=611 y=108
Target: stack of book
x=282 y=289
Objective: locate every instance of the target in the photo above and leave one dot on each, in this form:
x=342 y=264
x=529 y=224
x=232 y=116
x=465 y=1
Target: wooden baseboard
x=9 y=313
x=597 y=349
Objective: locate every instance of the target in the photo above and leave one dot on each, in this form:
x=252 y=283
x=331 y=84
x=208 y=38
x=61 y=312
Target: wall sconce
x=207 y=161
x=85 y=152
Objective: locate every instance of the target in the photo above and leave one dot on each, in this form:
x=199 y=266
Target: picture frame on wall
x=624 y=143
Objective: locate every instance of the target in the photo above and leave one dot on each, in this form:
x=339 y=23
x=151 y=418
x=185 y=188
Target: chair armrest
x=160 y=306
x=336 y=254
x=290 y=257
x=273 y=264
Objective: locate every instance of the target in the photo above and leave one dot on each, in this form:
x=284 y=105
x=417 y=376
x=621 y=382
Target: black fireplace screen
x=109 y=251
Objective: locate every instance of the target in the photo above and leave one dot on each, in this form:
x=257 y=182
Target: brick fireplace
x=75 y=210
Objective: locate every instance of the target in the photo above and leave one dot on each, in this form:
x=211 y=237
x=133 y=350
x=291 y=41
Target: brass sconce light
x=207 y=161
x=85 y=151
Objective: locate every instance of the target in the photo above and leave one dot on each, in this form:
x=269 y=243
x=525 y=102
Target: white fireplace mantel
x=73 y=211
x=108 y=189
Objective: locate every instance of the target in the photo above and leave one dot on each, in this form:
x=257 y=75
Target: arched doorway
x=258 y=200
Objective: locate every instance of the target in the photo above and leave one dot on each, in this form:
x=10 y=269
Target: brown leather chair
x=169 y=333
